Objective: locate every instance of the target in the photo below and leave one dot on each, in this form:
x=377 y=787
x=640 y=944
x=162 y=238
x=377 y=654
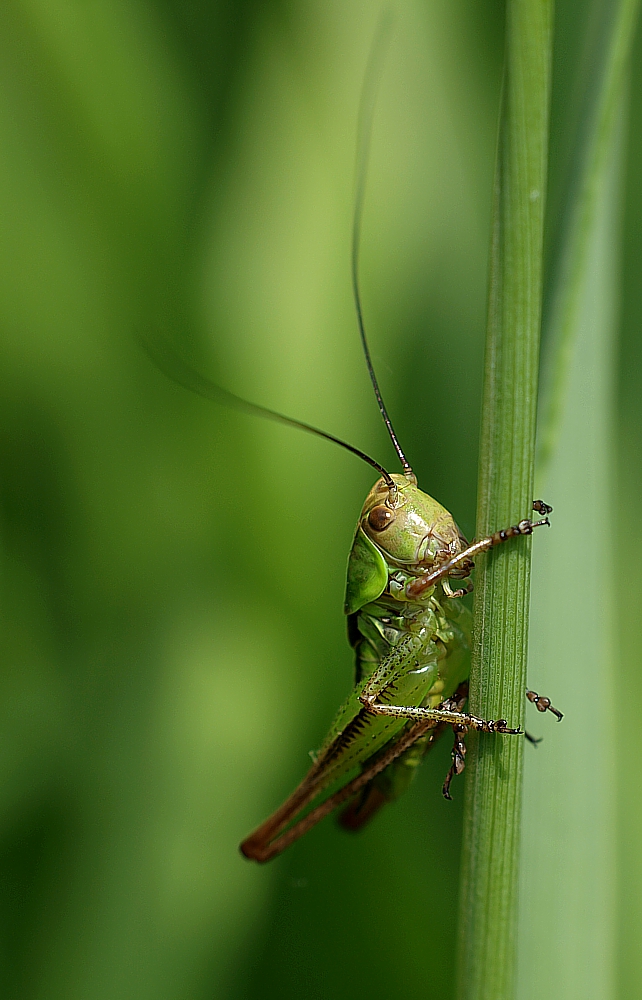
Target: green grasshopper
x=410 y=632
x=409 y=629
x=411 y=636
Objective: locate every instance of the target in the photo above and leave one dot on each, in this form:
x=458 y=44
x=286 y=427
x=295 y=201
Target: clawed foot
x=499 y=726
x=543 y=704
x=541 y=507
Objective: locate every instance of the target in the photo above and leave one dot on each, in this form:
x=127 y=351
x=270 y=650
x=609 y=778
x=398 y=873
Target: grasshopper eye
x=380 y=518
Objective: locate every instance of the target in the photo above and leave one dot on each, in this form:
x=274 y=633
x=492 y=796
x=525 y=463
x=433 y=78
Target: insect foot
x=541 y=507
x=543 y=704
x=458 y=755
x=489 y=726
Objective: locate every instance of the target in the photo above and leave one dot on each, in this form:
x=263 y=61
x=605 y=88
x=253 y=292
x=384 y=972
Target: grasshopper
x=411 y=636
x=408 y=570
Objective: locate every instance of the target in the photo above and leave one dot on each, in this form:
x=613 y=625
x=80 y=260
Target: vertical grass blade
x=568 y=884
x=488 y=917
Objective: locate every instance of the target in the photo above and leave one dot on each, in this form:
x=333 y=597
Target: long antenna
x=366 y=114
x=161 y=352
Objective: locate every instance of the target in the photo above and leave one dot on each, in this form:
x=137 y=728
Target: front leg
x=464 y=560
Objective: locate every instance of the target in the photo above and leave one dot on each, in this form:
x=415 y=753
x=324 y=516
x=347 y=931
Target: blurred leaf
x=569 y=914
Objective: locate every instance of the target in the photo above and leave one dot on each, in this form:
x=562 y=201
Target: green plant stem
x=488 y=916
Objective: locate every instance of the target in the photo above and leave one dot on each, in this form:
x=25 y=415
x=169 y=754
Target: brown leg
x=459 y=759
x=270 y=847
x=463 y=563
x=362 y=808
x=543 y=704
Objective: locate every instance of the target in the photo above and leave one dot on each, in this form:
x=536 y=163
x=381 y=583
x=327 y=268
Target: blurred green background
x=172 y=573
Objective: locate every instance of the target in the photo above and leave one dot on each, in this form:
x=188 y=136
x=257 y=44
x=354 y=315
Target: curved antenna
x=366 y=114
x=166 y=359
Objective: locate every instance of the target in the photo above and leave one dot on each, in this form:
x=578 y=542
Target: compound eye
x=380 y=518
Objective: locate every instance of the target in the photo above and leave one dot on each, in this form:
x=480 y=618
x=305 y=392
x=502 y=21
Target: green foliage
x=570 y=829
x=173 y=573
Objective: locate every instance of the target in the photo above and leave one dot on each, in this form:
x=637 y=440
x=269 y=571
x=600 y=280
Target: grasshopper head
x=399 y=529
x=411 y=530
